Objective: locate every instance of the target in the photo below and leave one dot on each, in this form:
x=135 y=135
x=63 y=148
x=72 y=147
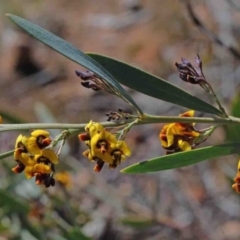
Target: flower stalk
x=195 y=75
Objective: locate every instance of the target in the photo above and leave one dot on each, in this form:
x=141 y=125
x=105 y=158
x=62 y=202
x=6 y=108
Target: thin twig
x=147 y=119
x=213 y=37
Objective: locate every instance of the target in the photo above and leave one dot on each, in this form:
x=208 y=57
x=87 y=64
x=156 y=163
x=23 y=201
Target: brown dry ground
x=195 y=202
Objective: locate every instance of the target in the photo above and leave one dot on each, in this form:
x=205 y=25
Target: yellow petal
x=124 y=148
x=32 y=146
x=106 y=157
x=170 y=136
x=195 y=134
x=94 y=152
x=94 y=128
x=40 y=132
x=163 y=136
x=109 y=137
x=94 y=140
x=21 y=141
x=189 y=113
x=163 y=143
x=41 y=168
x=87 y=127
x=97 y=127
x=87 y=143
x=185 y=146
x=28 y=171
x=16 y=154
x=25 y=159
x=165 y=127
x=177 y=128
x=239 y=165
x=48 y=154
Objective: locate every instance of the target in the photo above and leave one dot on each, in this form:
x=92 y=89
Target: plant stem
x=211 y=92
x=147 y=119
x=6 y=154
x=169 y=119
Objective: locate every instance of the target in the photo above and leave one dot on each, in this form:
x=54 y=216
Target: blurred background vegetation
x=39 y=85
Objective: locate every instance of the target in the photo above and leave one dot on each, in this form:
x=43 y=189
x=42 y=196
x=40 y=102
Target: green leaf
x=183 y=159
x=151 y=85
x=137 y=222
x=11 y=118
x=74 y=54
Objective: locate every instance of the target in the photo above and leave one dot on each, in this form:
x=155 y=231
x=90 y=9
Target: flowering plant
x=38 y=153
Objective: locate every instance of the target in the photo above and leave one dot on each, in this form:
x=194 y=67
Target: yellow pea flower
x=34 y=159
x=47 y=156
x=25 y=159
x=38 y=140
x=93 y=128
x=119 y=153
x=21 y=142
x=103 y=146
x=20 y=154
x=178 y=136
x=20 y=146
x=106 y=147
x=32 y=170
x=42 y=163
x=184 y=145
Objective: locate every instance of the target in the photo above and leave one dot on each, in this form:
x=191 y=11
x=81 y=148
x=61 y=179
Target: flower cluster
x=177 y=137
x=32 y=157
x=103 y=146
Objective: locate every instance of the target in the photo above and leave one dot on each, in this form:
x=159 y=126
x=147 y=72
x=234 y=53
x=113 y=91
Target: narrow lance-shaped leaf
x=182 y=159
x=11 y=118
x=151 y=85
x=74 y=54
